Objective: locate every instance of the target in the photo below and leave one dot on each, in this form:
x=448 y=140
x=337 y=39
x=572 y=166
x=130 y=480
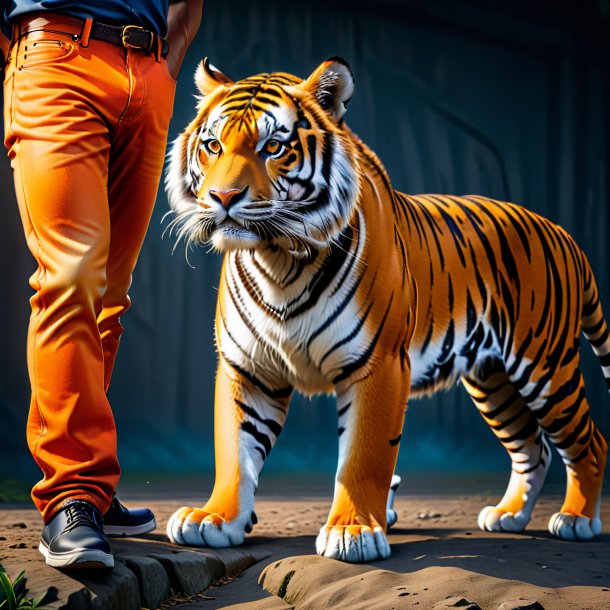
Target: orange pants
x=86 y=128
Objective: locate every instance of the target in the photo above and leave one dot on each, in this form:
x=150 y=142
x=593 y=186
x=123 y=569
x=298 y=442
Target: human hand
x=5 y=44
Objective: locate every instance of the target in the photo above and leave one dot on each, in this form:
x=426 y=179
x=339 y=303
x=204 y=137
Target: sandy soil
x=437 y=552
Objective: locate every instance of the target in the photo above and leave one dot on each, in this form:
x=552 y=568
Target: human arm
x=183 y=20
x=5 y=43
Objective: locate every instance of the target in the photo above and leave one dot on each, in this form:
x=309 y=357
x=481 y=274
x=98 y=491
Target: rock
x=190 y=572
x=425 y=514
x=520 y=604
x=115 y=589
x=455 y=601
x=152 y=578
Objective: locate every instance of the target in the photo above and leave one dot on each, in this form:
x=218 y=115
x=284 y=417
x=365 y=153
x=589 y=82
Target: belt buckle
x=137 y=29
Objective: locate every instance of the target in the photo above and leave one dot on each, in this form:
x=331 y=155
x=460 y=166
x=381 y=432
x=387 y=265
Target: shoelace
x=79 y=513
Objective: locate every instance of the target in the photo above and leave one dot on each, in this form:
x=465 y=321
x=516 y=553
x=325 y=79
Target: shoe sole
x=126 y=530
x=80 y=559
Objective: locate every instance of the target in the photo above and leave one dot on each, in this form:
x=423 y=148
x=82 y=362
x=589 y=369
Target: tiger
x=334 y=282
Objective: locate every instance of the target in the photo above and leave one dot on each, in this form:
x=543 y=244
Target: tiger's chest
x=304 y=334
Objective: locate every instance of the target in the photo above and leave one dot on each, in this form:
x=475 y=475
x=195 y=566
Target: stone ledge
x=146 y=573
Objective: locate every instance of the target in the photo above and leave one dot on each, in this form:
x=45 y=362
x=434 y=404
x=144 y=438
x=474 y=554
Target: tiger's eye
x=273 y=147
x=212 y=146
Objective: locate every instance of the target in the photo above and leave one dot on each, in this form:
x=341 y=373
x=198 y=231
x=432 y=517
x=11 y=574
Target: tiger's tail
x=594 y=325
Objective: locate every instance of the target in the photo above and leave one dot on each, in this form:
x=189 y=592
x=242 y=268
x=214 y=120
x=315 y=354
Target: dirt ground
x=437 y=552
x=440 y=559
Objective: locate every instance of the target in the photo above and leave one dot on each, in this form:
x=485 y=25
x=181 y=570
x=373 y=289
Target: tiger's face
x=266 y=161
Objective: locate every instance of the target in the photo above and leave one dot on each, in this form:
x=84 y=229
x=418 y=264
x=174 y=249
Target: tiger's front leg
x=371 y=415
x=248 y=418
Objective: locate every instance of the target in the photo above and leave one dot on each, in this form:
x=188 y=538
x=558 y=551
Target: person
x=88 y=96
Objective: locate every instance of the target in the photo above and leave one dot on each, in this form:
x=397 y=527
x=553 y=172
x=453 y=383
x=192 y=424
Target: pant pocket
x=36 y=53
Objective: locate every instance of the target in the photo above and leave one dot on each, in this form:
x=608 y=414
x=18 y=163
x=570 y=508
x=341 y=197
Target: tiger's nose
x=228 y=198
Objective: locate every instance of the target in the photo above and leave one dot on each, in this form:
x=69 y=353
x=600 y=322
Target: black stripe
x=434 y=230
x=480 y=283
x=471 y=314
x=520 y=353
x=350 y=336
x=508 y=260
x=530 y=427
x=502 y=407
x=261 y=438
x=344 y=409
x=491 y=257
x=567 y=389
x=327 y=273
x=448 y=342
x=581 y=455
x=252 y=289
x=335 y=314
x=554 y=285
x=270 y=423
x=395 y=441
x=277 y=394
x=600 y=340
x=570 y=354
x=265 y=98
x=454 y=230
x=590 y=307
x=571 y=438
x=593 y=330
x=567 y=415
x=527 y=371
x=365 y=356
x=426 y=342
x=519 y=224
x=511 y=420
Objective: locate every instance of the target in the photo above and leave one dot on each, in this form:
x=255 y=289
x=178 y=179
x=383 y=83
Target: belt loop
x=85 y=32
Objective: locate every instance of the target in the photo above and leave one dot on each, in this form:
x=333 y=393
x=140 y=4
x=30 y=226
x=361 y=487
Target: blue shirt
x=151 y=14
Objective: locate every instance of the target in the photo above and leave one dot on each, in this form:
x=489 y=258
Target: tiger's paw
x=352 y=543
x=574 y=527
x=495 y=519
x=195 y=527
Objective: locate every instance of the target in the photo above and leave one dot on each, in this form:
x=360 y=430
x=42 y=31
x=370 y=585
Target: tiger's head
x=266 y=161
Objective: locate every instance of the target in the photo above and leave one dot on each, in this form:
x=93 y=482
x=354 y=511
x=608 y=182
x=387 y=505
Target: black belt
x=127 y=36
x=130 y=37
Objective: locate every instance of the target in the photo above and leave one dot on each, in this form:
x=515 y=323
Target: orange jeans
x=86 y=128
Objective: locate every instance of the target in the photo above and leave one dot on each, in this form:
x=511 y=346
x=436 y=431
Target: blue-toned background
x=506 y=99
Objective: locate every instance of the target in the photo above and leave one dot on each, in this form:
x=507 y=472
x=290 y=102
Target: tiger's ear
x=208 y=78
x=332 y=84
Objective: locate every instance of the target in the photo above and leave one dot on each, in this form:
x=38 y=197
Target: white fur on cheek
x=177 y=184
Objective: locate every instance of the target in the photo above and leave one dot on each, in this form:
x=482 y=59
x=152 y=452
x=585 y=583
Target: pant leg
x=62 y=103
x=136 y=162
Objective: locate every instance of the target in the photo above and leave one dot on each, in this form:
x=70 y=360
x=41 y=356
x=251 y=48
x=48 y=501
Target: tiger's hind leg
x=563 y=413
x=514 y=425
